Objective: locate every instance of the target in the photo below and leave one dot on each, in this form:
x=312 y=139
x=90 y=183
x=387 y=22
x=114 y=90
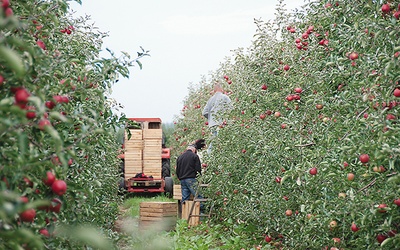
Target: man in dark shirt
x=187 y=168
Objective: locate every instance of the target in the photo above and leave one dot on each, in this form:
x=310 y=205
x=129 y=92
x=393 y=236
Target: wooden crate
x=133 y=145
x=156 y=143
x=152 y=167
x=133 y=163
x=158 y=215
x=152 y=153
x=186 y=207
x=177 y=192
x=136 y=134
x=152 y=133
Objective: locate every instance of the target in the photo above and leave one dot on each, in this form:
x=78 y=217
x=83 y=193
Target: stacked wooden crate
x=160 y=215
x=177 y=192
x=143 y=151
x=152 y=140
x=133 y=153
x=187 y=207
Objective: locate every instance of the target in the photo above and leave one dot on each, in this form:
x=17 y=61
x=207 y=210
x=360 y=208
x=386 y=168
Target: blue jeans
x=188 y=187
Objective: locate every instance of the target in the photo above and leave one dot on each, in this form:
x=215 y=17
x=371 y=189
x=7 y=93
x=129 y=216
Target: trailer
x=145 y=160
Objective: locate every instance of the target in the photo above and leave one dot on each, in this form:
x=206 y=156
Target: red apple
x=354 y=227
x=24 y=199
x=392 y=233
x=30 y=114
x=277 y=114
x=28 y=182
x=1 y=80
x=8 y=11
x=380 y=238
x=50 y=178
x=353 y=56
x=41 y=44
x=382 y=206
x=313 y=171
x=28 y=215
x=397 y=202
x=298 y=90
x=364 y=158
x=268 y=239
x=350 y=176
x=55 y=205
x=264 y=87
x=390 y=117
x=286 y=67
x=319 y=106
x=21 y=95
x=5 y=4
x=44 y=232
x=262 y=116
x=278 y=179
x=59 y=187
x=43 y=124
x=386 y=8
x=288 y=212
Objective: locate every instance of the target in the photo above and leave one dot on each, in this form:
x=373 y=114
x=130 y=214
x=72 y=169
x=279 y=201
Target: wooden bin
x=177 y=192
x=158 y=215
x=186 y=207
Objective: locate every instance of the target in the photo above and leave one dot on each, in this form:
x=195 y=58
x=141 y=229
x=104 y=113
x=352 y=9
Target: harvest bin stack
x=158 y=215
x=143 y=150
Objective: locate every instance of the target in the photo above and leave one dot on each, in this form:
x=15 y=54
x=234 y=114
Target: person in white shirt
x=214 y=109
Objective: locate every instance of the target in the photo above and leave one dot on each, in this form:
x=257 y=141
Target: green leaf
x=139 y=63
x=12 y=59
x=23 y=143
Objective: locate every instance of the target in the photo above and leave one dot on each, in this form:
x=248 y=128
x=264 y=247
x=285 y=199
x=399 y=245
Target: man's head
x=217 y=87
x=192 y=148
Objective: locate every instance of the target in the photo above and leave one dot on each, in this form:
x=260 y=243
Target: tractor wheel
x=169 y=186
x=121 y=186
x=166 y=169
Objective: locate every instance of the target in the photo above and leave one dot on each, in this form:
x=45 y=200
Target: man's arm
x=206 y=110
x=178 y=167
x=197 y=165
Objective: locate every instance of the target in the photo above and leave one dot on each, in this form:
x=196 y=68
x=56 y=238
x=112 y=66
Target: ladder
x=196 y=199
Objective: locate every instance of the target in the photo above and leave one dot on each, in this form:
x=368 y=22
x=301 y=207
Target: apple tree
x=309 y=155
x=58 y=164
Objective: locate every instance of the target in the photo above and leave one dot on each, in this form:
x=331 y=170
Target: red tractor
x=146 y=160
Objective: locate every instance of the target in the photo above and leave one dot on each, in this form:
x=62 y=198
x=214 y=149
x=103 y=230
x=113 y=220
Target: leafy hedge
x=317 y=89
x=56 y=121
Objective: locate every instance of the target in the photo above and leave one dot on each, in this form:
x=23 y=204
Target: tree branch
x=367 y=186
x=305 y=145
